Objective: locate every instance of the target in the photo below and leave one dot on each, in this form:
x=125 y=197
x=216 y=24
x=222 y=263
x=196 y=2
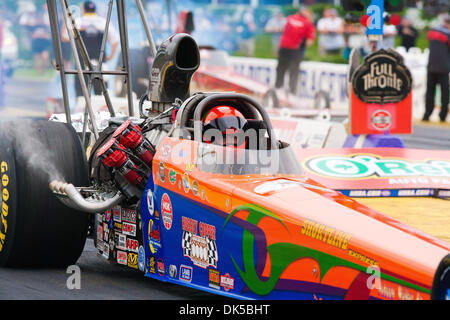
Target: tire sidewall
x=8 y=200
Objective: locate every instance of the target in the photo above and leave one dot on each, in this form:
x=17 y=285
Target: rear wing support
x=89 y=73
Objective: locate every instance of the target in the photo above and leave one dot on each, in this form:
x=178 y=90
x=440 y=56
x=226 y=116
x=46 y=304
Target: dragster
x=225 y=211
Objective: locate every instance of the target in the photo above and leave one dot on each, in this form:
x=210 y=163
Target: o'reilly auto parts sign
x=360 y=166
x=377 y=168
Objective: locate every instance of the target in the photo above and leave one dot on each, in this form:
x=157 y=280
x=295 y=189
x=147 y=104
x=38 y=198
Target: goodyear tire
x=36 y=229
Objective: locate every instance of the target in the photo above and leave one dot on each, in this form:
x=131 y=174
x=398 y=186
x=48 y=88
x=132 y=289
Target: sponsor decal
x=443 y=193
x=161 y=268
x=111 y=244
x=129 y=229
x=117 y=217
x=154 y=237
x=199 y=243
x=369 y=193
x=173 y=271
x=186 y=183
x=166 y=149
x=227 y=282
x=415 y=192
x=150 y=202
x=166 y=210
x=381 y=120
x=152 y=264
x=132 y=245
x=156 y=214
x=122 y=257
x=132 y=260
x=118 y=226
x=141 y=259
x=121 y=241
x=100 y=237
x=362 y=258
x=4 y=203
x=172 y=176
x=325 y=234
x=105 y=253
x=108 y=215
x=195 y=187
x=362 y=166
x=105 y=232
x=386 y=291
x=129 y=215
x=162 y=172
x=214 y=279
x=189 y=167
x=185 y=273
x=389 y=193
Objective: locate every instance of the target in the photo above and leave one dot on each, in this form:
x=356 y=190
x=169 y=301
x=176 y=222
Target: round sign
x=166 y=210
x=381 y=120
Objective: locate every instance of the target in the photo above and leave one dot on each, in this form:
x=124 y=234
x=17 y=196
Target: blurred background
x=241 y=28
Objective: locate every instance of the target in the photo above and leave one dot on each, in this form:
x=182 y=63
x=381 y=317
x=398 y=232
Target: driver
x=225 y=126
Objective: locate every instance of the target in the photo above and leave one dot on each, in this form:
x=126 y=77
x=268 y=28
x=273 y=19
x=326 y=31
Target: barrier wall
x=330 y=77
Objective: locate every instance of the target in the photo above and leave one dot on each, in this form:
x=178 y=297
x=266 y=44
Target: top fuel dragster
x=198 y=191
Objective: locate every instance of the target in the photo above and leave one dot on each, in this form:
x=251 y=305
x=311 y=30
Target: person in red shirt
x=298 y=33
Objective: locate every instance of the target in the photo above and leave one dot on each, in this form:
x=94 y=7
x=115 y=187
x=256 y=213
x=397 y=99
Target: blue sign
x=375 y=12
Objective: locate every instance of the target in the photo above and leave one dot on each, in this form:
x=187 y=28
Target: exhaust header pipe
x=176 y=61
x=69 y=195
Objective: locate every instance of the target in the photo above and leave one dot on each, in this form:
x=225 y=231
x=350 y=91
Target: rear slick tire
x=36 y=229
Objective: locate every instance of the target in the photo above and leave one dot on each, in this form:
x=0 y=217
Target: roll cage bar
x=91 y=72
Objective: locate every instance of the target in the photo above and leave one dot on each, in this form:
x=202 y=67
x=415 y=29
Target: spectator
x=38 y=26
x=91 y=28
x=298 y=33
x=275 y=26
x=438 y=69
x=354 y=39
x=185 y=22
x=248 y=28
x=331 y=29
x=389 y=33
x=407 y=33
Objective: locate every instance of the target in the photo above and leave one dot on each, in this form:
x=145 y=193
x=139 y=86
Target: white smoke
x=37 y=155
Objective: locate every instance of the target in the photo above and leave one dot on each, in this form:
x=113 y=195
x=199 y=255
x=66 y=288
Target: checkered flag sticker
x=201 y=250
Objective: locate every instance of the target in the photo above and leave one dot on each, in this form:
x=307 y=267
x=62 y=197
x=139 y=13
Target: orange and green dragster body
x=278 y=237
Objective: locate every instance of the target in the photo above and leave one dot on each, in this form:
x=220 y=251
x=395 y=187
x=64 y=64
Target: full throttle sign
x=381 y=98
x=383 y=78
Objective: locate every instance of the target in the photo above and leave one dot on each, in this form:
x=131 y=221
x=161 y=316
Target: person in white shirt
x=275 y=27
x=331 y=29
x=92 y=27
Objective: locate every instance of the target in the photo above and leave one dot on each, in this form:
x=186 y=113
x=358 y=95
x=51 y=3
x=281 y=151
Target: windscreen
x=238 y=161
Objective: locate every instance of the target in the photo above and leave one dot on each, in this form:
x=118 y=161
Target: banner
x=331 y=77
x=378 y=172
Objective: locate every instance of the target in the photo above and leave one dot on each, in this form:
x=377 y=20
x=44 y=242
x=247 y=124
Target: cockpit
x=234 y=135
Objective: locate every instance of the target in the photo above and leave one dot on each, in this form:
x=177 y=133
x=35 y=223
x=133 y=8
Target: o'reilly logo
x=363 y=166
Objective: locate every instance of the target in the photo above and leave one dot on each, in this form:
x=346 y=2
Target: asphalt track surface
x=101 y=280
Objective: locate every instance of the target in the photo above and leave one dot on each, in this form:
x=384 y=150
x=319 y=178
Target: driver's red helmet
x=230 y=122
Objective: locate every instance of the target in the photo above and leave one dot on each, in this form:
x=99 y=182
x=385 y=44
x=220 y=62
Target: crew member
x=298 y=33
x=438 y=69
x=92 y=27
